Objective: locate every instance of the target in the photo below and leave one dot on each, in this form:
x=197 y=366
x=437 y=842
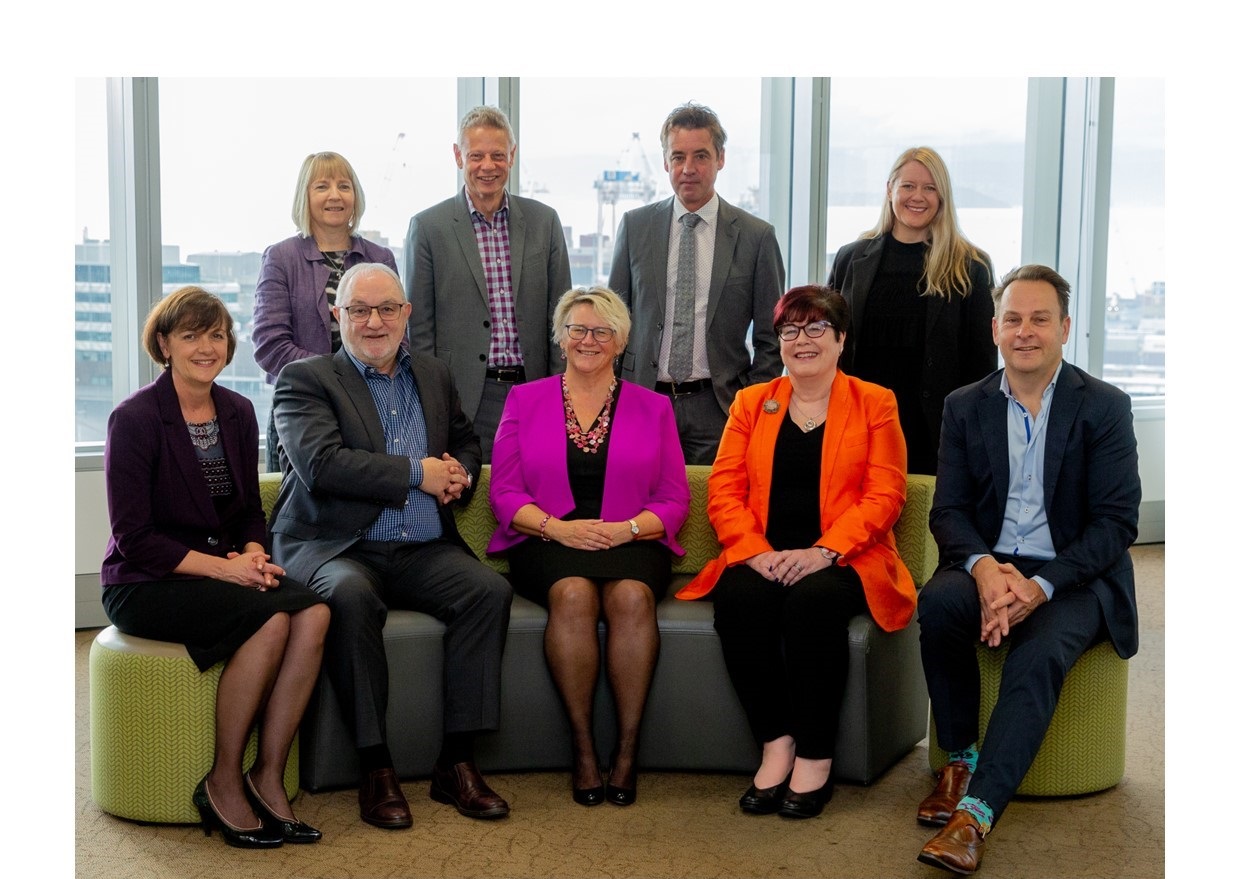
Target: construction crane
x=632 y=179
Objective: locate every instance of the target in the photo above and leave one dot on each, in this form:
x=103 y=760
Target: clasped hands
x=1007 y=597
x=444 y=478
x=252 y=568
x=589 y=533
x=787 y=566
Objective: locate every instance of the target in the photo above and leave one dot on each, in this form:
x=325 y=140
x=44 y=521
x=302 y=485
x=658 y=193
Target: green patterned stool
x=152 y=729
x=1083 y=751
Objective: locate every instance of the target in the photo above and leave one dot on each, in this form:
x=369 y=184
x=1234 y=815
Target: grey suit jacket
x=746 y=280
x=338 y=476
x=447 y=287
x=1090 y=479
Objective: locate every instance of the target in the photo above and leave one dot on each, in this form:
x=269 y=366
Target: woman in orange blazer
x=828 y=449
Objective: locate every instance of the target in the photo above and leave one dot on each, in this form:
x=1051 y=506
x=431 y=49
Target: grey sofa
x=693 y=720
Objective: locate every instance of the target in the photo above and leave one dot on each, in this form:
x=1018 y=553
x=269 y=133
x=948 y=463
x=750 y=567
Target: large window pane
x=1135 y=349
x=976 y=125
x=230 y=151
x=592 y=174
x=92 y=288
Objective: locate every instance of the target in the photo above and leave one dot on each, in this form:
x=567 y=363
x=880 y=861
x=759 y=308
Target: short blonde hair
x=190 y=308
x=609 y=306
x=316 y=167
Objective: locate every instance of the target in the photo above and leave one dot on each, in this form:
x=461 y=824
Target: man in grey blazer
x=1035 y=507
x=377 y=450
x=483 y=272
x=697 y=273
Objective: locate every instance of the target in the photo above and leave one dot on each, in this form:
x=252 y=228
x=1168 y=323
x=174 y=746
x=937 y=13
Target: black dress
x=890 y=350
x=536 y=565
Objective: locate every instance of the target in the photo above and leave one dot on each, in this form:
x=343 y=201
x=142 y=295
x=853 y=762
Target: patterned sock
x=968 y=757
x=979 y=809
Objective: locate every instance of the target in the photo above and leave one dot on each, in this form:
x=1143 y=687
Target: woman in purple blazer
x=186 y=563
x=588 y=484
x=297 y=281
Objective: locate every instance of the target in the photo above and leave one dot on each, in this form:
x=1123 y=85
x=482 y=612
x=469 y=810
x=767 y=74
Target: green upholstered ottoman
x=152 y=729
x=1083 y=751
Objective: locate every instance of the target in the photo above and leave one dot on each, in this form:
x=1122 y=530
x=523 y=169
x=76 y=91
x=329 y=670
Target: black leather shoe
x=807 y=805
x=382 y=802
x=622 y=796
x=263 y=836
x=588 y=796
x=462 y=786
x=764 y=800
x=292 y=831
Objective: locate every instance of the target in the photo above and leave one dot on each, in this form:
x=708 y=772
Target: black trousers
x=786 y=649
x=1042 y=649
x=438 y=578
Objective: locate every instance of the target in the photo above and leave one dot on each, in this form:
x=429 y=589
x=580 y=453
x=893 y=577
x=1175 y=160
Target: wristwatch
x=828 y=555
x=633 y=529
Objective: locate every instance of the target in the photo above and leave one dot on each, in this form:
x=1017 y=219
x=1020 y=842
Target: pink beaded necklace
x=588 y=442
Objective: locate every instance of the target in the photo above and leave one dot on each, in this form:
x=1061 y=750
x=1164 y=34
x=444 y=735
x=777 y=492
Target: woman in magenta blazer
x=186 y=563
x=588 y=484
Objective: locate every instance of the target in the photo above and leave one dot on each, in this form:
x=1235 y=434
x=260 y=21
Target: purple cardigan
x=645 y=464
x=158 y=501
x=291 y=320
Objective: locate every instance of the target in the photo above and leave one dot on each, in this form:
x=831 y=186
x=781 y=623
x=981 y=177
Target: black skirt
x=210 y=617
x=537 y=565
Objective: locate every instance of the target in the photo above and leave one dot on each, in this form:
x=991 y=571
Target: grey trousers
x=438 y=578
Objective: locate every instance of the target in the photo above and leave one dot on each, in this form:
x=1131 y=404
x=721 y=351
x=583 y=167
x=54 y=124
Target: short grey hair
x=364 y=270
x=485 y=117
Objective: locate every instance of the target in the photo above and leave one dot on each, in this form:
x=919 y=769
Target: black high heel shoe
x=259 y=837
x=586 y=796
x=807 y=805
x=621 y=796
x=765 y=800
x=290 y=831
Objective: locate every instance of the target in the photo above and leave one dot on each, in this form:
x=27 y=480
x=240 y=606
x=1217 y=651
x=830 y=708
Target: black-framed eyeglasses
x=577 y=332
x=789 y=332
x=360 y=314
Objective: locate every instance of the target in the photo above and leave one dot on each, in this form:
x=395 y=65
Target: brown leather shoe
x=382 y=802
x=462 y=786
x=957 y=847
x=937 y=808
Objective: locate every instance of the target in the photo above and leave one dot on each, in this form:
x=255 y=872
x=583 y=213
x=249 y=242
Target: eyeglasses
x=577 y=332
x=360 y=314
x=789 y=332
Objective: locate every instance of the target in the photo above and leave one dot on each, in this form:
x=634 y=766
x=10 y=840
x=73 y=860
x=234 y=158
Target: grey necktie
x=680 y=359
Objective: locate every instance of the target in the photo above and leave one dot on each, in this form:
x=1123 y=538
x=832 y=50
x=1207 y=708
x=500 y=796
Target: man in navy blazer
x=1035 y=507
x=738 y=276
x=377 y=448
x=483 y=271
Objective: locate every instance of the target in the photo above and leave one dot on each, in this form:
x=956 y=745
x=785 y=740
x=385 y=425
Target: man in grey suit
x=697 y=273
x=377 y=450
x=483 y=271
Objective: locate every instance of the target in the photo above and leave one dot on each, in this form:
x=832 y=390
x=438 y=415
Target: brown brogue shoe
x=957 y=847
x=462 y=786
x=936 y=809
x=382 y=802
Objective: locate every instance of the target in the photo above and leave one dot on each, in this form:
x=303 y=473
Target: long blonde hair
x=950 y=254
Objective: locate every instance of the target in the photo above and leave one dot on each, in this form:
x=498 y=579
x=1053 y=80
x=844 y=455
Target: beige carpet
x=683 y=825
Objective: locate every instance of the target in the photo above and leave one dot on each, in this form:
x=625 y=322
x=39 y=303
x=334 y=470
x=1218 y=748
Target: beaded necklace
x=591 y=441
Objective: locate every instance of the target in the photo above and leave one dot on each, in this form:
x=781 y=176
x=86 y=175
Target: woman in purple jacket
x=186 y=563
x=588 y=485
x=297 y=282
